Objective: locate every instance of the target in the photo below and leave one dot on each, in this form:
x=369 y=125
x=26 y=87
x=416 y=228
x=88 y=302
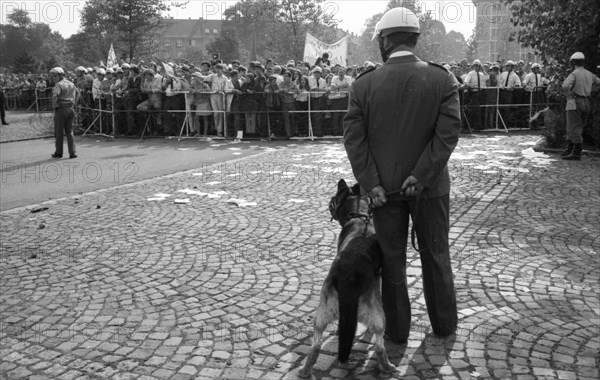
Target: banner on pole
x=112 y=57
x=313 y=49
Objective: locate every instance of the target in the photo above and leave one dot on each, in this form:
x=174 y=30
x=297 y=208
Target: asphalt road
x=30 y=176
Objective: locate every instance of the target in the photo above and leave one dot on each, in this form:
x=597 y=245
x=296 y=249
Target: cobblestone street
x=215 y=273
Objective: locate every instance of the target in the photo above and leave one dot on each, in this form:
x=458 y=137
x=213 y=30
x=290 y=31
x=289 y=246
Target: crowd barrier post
x=498 y=115
x=310 y=129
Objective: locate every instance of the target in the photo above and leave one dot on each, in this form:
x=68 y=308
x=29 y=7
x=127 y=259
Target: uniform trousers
x=576 y=120
x=431 y=220
x=63 y=126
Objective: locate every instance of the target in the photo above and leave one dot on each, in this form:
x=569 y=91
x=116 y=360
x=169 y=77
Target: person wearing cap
x=473 y=84
x=64 y=98
x=507 y=82
x=578 y=88
x=533 y=83
x=399 y=138
x=318 y=98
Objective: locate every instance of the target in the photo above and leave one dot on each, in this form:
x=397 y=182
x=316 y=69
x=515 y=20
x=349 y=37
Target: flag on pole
x=313 y=49
x=112 y=57
x=102 y=64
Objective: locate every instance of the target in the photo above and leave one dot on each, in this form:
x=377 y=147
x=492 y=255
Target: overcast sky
x=64 y=16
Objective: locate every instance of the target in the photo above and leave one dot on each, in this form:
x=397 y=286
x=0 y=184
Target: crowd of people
x=259 y=99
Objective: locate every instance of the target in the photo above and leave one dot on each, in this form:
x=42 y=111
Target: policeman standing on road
x=64 y=97
x=578 y=87
x=402 y=125
x=473 y=83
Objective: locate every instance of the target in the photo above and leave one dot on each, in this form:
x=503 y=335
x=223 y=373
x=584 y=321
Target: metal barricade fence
x=229 y=113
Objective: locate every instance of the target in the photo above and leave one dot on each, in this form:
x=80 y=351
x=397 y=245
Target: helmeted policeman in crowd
x=578 y=87
x=64 y=97
x=474 y=82
x=402 y=125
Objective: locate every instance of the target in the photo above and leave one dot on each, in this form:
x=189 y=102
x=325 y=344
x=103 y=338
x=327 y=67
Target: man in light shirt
x=340 y=86
x=507 y=82
x=474 y=82
x=318 y=92
x=533 y=83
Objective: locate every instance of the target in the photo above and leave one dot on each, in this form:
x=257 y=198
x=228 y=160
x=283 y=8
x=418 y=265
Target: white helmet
x=535 y=66
x=577 y=55
x=476 y=62
x=101 y=71
x=80 y=68
x=57 y=70
x=397 y=20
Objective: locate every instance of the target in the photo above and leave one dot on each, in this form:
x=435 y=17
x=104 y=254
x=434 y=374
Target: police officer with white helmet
x=578 y=88
x=402 y=125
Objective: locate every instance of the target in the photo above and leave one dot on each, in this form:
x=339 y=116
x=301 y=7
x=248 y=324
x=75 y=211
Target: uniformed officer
x=533 y=82
x=402 y=125
x=474 y=81
x=2 y=99
x=64 y=97
x=578 y=87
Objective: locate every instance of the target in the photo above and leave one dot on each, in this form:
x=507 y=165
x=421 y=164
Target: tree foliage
x=131 y=26
x=434 y=43
x=41 y=45
x=226 y=44
x=558 y=28
x=277 y=28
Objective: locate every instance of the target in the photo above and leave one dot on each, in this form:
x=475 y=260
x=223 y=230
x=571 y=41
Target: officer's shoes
x=72 y=156
x=54 y=155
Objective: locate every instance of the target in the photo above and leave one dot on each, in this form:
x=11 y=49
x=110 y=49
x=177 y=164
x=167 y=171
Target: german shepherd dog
x=351 y=290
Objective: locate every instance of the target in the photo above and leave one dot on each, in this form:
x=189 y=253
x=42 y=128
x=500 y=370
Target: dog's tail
x=349 y=290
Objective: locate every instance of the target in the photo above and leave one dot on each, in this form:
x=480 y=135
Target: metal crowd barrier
x=496 y=103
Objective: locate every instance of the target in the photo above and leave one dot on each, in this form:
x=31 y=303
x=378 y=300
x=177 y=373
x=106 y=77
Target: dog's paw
x=387 y=367
x=305 y=373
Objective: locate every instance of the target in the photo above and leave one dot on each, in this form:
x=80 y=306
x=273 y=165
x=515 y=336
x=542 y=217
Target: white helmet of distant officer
x=396 y=27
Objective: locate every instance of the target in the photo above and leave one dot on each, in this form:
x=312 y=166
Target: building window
x=179 y=43
x=215 y=31
x=207 y=31
x=192 y=42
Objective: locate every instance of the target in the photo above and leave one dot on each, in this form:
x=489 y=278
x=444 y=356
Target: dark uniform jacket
x=403 y=119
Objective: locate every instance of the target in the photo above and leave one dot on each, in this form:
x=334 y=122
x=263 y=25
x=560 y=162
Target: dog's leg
x=326 y=313
x=306 y=371
x=376 y=324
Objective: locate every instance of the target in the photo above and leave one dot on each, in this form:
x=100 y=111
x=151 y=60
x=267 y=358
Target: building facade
x=492 y=33
x=182 y=36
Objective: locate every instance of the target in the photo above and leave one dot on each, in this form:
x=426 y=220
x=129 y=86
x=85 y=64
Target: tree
x=277 y=29
x=19 y=18
x=36 y=39
x=454 y=46
x=24 y=63
x=558 y=28
x=131 y=24
x=226 y=44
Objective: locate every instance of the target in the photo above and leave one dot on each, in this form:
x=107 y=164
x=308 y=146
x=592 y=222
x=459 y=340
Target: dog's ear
x=356 y=189
x=341 y=185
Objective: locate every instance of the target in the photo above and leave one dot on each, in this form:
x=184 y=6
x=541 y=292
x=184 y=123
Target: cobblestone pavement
x=134 y=283
x=26 y=125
